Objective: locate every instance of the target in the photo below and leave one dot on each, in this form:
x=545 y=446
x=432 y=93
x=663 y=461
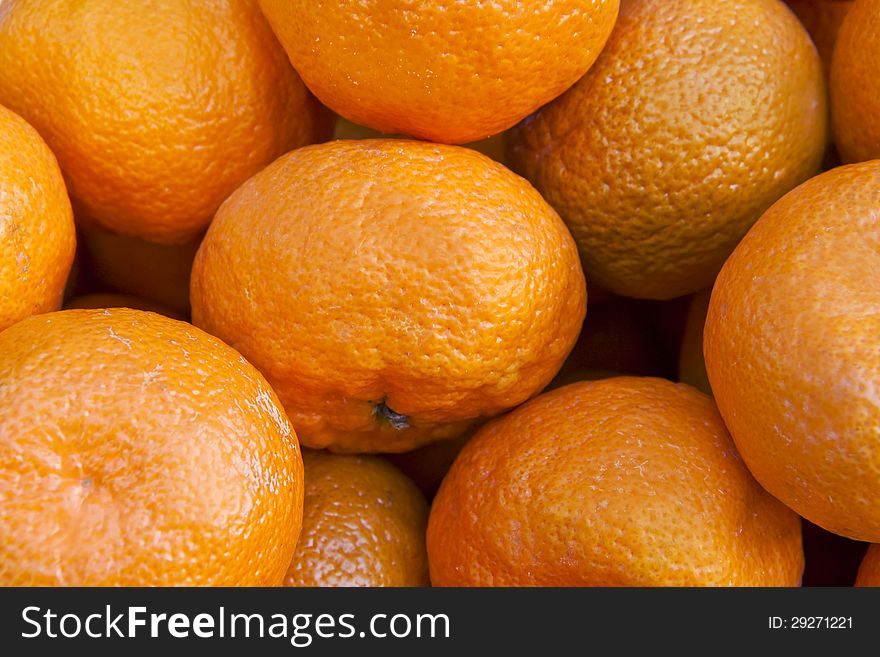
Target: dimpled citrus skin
x=869 y=571
x=156 y=110
x=363 y=525
x=696 y=117
x=444 y=70
x=138 y=450
x=37 y=239
x=855 y=88
x=620 y=482
x=792 y=347
x=360 y=276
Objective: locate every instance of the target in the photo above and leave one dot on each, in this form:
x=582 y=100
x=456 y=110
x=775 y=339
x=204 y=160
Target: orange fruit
x=157 y=110
x=446 y=70
x=137 y=450
x=793 y=354
x=98 y=300
x=691 y=364
x=363 y=525
x=620 y=482
x=155 y=272
x=855 y=107
x=697 y=116
x=393 y=292
x=869 y=571
x=37 y=239
x=822 y=19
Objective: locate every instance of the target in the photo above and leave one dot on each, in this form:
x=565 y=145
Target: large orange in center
x=391 y=291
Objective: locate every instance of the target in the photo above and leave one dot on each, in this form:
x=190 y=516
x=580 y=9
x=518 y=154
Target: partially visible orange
x=393 y=292
x=823 y=19
x=619 y=482
x=137 y=450
x=444 y=70
x=37 y=237
x=363 y=525
x=696 y=117
x=855 y=85
x=869 y=571
x=156 y=110
x=792 y=346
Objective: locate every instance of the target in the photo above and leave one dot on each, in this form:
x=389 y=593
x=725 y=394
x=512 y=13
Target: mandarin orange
x=156 y=110
x=37 y=237
x=855 y=86
x=444 y=70
x=138 y=450
x=363 y=525
x=393 y=292
x=823 y=19
x=696 y=117
x=869 y=571
x=620 y=482
x=791 y=347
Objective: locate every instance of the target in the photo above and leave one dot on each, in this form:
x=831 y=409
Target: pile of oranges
x=547 y=293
